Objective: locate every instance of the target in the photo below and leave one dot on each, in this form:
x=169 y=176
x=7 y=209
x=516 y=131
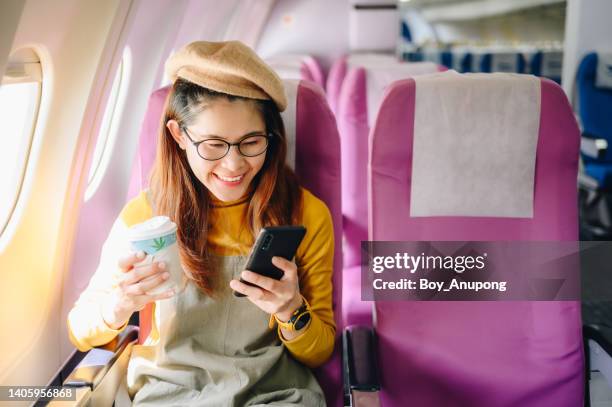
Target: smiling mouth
x=233 y=180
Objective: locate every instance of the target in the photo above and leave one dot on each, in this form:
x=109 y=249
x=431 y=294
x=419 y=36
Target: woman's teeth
x=229 y=179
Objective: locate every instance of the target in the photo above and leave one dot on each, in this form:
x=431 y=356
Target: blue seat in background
x=594 y=85
x=466 y=63
x=439 y=56
x=547 y=64
x=594 y=92
x=446 y=59
x=413 y=56
x=406 y=34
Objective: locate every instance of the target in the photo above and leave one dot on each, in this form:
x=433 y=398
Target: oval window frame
x=24 y=66
x=109 y=126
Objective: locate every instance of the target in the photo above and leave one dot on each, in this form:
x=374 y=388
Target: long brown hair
x=177 y=193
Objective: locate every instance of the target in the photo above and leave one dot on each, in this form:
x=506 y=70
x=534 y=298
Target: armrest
x=602 y=335
x=598 y=352
x=91 y=370
x=592 y=146
x=360 y=365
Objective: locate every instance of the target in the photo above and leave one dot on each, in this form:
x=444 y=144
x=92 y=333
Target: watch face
x=301 y=321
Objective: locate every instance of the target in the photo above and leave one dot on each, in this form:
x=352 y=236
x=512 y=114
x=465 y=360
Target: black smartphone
x=281 y=241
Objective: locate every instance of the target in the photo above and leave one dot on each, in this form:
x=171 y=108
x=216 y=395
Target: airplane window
x=20 y=92
x=108 y=128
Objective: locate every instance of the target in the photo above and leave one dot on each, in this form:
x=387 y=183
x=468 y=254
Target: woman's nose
x=233 y=160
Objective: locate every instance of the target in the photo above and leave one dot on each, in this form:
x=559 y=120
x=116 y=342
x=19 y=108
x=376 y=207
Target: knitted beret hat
x=228 y=67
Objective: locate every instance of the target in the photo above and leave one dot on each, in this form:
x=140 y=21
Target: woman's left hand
x=281 y=297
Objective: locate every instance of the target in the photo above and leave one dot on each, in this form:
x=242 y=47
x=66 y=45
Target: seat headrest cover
x=379 y=77
x=474 y=147
x=603 y=76
x=287 y=66
x=228 y=67
x=287 y=71
x=371 y=60
x=290 y=118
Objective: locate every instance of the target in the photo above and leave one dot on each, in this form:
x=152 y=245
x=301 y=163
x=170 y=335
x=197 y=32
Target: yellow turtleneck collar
x=217 y=203
x=228 y=233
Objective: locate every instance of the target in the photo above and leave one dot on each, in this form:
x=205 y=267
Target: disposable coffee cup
x=157 y=238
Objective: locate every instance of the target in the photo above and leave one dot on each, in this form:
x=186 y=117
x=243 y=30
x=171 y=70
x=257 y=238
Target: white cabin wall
x=205 y=20
x=588 y=28
x=200 y=20
x=316 y=27
x=248 y=20
x=421 y=30
x=70 y=37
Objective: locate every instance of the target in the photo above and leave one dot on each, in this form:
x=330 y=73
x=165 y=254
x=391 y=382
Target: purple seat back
x=517 y=353
x=317 y=164
x=342 y=65
x=147 y=143
x=356 y=107
x=314 y=72
x=335 y=77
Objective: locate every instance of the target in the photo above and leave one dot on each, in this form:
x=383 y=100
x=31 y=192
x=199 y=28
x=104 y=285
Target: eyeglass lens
x=214 y=149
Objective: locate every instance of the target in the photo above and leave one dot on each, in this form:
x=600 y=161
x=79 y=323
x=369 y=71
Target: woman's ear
x=174 y=129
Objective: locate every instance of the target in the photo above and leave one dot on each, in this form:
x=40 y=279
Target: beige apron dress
x=218 y=352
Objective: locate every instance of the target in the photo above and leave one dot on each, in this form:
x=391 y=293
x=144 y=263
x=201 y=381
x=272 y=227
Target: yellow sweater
x=228 y=237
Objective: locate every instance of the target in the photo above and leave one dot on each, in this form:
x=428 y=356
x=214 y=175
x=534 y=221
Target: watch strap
x=302 y=314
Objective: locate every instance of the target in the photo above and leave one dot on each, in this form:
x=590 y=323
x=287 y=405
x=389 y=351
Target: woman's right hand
x=131 y=294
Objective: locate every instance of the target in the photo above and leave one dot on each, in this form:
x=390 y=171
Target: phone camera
x=266 y=242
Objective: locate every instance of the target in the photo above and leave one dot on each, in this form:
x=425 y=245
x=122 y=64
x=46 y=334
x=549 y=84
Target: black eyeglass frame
x=229 y=145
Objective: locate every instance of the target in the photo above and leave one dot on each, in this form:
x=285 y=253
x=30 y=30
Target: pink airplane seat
x=298 y=66
x=360 y=97
x=342 y=65
x=313 y=152
x=471 y=353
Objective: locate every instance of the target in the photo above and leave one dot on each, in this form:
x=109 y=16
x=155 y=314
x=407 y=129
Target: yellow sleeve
x=315 y=260
x=86 y=327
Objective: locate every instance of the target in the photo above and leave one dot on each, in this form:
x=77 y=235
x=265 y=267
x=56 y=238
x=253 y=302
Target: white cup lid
x=152 y=228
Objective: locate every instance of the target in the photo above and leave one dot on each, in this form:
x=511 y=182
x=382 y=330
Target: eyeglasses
x=213 y=149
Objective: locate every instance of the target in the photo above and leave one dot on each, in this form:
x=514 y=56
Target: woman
x=220 y=175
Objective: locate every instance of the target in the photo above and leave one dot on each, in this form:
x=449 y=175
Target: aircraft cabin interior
x=306 y=203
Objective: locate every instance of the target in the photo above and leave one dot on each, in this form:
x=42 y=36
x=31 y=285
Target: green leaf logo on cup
x=157 y=238
x=152 y=246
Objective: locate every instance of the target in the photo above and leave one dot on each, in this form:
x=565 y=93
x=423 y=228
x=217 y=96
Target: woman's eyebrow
x=256 y=132
x=251 y=133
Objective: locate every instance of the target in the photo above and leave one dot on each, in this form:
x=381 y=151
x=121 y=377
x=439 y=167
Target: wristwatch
x=299 y=319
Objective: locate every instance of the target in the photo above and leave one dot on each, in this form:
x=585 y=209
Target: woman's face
x=228 y=178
